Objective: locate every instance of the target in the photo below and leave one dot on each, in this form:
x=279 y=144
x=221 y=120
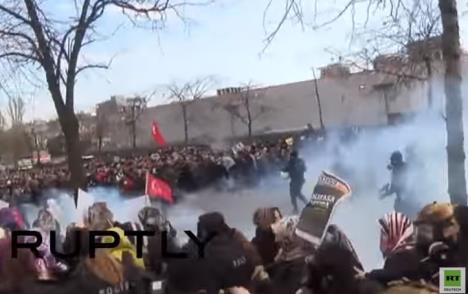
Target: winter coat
x=229 y=261
x=296 y=169
x=264 y=242
x=154 y=261
x=336 y=260
x=100 y=275
x=405 y=262
x=287 y=276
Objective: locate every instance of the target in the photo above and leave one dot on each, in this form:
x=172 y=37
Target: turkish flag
x=157 y=135
x=157 y=188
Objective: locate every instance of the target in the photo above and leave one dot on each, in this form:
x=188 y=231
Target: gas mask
x=445 y=231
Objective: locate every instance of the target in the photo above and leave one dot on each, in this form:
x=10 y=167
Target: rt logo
x=452 y=280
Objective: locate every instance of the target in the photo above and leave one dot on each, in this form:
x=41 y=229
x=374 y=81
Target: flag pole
x=148 y=201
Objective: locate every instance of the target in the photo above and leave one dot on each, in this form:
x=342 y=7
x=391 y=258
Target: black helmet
x=396 y=158
x=294 y=154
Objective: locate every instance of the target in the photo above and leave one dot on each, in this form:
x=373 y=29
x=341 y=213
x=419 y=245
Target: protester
x=188 y=168
x=219 y=259
x=233 y=264
x=264 y=239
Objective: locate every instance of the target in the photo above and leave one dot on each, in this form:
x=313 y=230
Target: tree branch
x=289 y=6
x=45 y=55
x=74 y=54
x=14 y=14
x=20 y=55
x=91 y=66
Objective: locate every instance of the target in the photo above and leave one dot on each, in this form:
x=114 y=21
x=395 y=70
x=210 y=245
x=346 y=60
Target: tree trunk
x=36 y=147
x=70 y=128
x=453 y=102
x=134 y=144
x=184 y=117
x=249 y=117
x=430 y=98
x=319 y=104
x=99 y=144
x=387 y=105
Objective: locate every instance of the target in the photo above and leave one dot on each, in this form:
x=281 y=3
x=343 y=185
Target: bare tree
x=454 y=103
x=453 y=79
x=319 y=104
x=31 y=36
x=18 y=142
x=187 y=93
x=131 y=112
x=35 y=141
x=246 y=106
x=16 y=109
x=415 y=36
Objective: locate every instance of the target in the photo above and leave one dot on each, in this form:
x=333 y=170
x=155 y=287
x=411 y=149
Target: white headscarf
x=285 y=227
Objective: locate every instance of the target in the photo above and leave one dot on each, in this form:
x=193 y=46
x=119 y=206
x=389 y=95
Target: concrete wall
x=346 y=101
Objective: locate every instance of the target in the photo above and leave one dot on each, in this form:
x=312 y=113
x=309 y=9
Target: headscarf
x=285 y=227
x=291 y=246
x=99 y=216
x=264 y=217
x=10 y=217
x=395 y=230
x=45 y=221
x=211 y=223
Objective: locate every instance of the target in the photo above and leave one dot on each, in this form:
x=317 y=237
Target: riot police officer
x=296 y=168
x=398 y=184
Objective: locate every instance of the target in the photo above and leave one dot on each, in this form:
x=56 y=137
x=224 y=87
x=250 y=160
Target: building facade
x=346 y=99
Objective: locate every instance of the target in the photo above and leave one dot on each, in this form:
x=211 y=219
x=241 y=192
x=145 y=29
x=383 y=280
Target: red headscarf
x=395 y=230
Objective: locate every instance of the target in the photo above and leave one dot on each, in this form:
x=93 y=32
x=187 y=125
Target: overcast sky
x=224 y=39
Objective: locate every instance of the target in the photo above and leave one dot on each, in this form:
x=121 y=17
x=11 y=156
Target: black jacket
x=225 y=264
x=295 y=168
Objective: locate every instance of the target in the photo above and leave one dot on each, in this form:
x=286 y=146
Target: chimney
x=228 y=91
x=336 y=70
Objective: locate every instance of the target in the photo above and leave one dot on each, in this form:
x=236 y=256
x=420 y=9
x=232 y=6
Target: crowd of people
x=184 y=168
x=218 y=258
x=275 y=261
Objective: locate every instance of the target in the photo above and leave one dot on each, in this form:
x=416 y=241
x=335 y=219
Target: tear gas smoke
x=362 y=163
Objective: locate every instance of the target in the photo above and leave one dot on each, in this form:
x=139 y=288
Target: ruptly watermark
x=32 y=240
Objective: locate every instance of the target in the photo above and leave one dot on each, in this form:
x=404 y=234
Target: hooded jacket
x=230 y=259
x=228 y=262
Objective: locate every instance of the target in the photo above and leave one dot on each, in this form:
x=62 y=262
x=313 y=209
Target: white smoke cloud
x=364 y=164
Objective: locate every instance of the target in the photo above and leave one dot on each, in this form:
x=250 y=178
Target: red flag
x=157 y=135
x=157 y=188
